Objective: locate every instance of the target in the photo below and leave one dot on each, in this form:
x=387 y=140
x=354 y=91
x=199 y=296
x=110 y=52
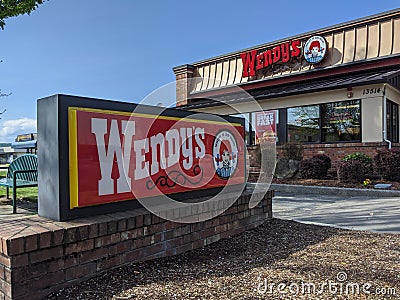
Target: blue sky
x=125 y=49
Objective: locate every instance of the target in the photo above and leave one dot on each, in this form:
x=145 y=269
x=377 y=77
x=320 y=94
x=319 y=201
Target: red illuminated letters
x=253 y=61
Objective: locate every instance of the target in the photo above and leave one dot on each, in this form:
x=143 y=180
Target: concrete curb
x=325 y=190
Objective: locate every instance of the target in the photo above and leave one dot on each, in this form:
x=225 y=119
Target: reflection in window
x=341 y=121
x=303 y=124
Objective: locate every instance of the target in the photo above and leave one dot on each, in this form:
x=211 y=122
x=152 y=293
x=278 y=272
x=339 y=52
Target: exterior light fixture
x=349 y=92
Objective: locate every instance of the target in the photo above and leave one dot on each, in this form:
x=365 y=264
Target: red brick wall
x=338 y=151
x=252 y=157
x=38 y=256
x=335 y=151
x=183 y=75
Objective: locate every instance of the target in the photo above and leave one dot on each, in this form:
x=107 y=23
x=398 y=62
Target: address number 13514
x=372 y=91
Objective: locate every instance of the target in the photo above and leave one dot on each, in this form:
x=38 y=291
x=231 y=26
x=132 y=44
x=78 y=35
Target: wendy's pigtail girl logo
x=315 y=49
x=225 y=154
x=224 y=161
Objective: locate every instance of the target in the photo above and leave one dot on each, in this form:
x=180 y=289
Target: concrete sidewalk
x=377 y=214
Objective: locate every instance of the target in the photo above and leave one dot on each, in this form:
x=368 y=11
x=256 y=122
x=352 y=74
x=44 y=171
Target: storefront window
x=262 y=123
x=303 y=124
x=341 y=121
x=392 y=116
x=249 y=131
x=328 y=122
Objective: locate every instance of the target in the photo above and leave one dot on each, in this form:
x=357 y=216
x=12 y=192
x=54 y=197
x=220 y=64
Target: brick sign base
x=38 y=256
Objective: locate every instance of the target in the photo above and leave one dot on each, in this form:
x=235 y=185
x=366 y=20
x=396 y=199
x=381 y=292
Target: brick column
x=182 y=74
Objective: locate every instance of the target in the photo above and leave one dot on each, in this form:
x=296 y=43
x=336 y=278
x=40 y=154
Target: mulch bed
x=277 y=252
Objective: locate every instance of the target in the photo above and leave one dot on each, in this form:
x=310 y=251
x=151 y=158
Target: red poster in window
x=265 y=125
x=118 y=156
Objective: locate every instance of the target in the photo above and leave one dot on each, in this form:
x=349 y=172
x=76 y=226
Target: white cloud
x=11 y=128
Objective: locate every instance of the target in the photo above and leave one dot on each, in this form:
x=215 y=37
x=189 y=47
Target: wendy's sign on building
x=99 y=156
x=315 y=49
x=285 y=55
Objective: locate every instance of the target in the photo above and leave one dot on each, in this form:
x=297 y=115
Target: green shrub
x=387 y=164
x=351 y=171
x=312 y=168
x=365 y=160
x=293 y=151
x=326 y=159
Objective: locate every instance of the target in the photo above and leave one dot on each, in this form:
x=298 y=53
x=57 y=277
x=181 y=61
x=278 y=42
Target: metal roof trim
x=335 y=27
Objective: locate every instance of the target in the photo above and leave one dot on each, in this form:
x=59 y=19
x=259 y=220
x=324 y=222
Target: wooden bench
x=22 y=172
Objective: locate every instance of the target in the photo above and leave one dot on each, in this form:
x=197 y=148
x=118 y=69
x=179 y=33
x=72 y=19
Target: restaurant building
x=336 y=90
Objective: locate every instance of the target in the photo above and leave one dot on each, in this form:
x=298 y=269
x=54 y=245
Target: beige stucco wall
x=392 y=94
x=371 y=119
x=371 y=106
x=282 y=102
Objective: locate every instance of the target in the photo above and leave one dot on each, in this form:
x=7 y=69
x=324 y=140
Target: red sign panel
x=118 y=156
x=265 y=124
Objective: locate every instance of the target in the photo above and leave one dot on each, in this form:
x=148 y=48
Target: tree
x=3 y=95
x=13 y=8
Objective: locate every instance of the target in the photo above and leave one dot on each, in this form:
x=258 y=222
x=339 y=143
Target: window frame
x=320 y=123
x=389 y=117
x=282 y=125
x=349 y=141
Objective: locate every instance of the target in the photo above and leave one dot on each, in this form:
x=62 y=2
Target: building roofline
x=339 y=26
x=358 y=67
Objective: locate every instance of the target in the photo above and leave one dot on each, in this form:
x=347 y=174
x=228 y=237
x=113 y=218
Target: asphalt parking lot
x=376 y=214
